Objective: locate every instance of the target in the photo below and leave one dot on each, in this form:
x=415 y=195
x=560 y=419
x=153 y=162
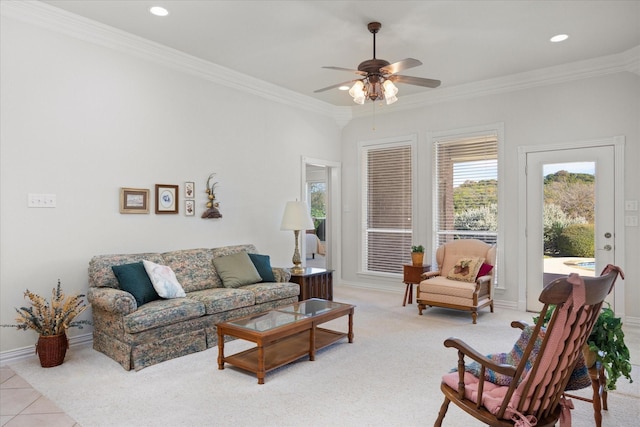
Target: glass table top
x=286 y=315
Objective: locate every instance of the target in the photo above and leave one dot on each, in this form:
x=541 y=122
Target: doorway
x=321 y=189
x=570 y=208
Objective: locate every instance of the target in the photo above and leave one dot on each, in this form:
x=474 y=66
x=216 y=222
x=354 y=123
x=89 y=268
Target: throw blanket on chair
x=579 y=377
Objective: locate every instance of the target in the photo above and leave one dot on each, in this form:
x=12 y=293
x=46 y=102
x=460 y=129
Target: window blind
x=466 y=189
x=387 y=208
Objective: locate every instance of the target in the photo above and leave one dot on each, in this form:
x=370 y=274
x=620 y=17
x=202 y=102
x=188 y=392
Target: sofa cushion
x=466 y=269
x=100 y=271
x=133 y=278
x=236 y=270
x=162 y=312
x=218 y=300
x=265 y=292
x=164 y=280
x=193 y=268
x=263 y=265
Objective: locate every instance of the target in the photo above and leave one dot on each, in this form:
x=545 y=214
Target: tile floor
x=23 y=406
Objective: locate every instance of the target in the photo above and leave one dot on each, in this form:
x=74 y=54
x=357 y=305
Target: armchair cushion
x=484 y=269
x=466 y=269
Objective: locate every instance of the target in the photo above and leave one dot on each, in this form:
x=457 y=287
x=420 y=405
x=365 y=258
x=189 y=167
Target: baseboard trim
x=11 y=356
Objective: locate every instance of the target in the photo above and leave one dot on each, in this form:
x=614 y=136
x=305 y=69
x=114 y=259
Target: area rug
x=389 y=376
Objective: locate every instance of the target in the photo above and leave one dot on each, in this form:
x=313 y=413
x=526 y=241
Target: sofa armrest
x=112 y=300
x=281 y=274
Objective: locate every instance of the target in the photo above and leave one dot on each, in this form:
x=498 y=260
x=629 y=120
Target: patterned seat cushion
x=219 y=300
x=266 y=291
x=162 y=312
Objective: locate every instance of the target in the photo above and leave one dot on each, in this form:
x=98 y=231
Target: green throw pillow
x=236 y=270
x=134 y=279
x=263 y=265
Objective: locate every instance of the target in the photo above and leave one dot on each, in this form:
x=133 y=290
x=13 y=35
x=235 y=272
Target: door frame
x=333 y=224
x=617 y=142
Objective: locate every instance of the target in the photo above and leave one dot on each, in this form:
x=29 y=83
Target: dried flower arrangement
x=51 y=319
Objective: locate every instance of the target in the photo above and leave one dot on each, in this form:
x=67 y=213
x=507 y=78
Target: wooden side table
x=314 y=283
x=412 y=276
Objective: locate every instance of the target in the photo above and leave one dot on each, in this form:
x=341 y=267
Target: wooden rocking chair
x=531 y=392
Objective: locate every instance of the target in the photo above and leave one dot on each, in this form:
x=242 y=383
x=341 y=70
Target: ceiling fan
x=379 y=76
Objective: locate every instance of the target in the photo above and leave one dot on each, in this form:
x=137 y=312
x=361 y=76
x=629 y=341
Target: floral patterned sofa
x=162 y=329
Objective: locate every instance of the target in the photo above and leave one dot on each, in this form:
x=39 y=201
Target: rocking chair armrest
x=429 y=274
x=520 y=324
x=463 y=348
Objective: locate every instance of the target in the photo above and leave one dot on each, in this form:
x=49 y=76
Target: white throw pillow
x=164 y=280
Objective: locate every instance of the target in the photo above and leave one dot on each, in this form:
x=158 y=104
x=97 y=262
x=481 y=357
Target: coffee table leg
x=312 y=343
x=220 y=349
x=350 y=334
x=260 y=364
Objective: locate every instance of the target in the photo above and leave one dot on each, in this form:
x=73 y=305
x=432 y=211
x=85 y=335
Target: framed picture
x=189 y=190
x=134 y=200
x=189 y=207
x=166 y=199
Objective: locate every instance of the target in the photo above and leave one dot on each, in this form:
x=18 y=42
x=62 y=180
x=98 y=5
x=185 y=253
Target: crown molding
x=627 y=61
x=61 y=21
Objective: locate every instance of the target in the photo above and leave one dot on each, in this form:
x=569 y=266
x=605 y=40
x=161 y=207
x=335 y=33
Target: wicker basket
x=52 y=349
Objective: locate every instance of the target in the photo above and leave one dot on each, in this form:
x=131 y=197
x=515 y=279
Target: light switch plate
x=631 y=221
x=630 y=205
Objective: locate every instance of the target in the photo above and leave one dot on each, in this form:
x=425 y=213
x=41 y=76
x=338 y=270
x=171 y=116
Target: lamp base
x=296 y=269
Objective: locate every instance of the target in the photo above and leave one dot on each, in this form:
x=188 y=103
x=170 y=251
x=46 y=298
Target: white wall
x=80 y=121
x=575 y=111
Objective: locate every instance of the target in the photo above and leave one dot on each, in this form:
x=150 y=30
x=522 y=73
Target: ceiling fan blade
x=347 y=83
x=418 y=81
x=400 y=66
x=347 y=69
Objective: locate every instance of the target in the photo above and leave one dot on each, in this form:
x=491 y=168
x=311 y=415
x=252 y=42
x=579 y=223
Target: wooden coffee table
x=283 y=335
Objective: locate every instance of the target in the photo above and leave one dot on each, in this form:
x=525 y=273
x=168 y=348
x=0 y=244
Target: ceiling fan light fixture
x=390 y=92
x=357 y=92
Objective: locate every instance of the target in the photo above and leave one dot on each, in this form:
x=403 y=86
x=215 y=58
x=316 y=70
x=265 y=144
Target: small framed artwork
x=189 y=207
x=189 y=190
x=134 y=200
x=166 y=199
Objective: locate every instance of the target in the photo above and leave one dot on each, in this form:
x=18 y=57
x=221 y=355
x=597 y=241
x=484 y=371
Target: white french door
x=596 y=160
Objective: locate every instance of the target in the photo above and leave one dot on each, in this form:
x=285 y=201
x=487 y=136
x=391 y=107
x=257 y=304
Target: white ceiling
x=287 y=42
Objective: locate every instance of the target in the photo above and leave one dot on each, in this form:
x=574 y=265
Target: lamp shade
x=296 y=217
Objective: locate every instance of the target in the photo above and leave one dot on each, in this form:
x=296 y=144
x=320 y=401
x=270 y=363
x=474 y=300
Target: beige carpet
x=389 y=376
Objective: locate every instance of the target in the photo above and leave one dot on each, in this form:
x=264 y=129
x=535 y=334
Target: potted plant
x=51 y=320
x=606 y=345
x=417 y=254
x=607 y=342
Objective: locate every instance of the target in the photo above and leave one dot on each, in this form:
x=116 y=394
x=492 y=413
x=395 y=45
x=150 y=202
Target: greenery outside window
x=466 y=190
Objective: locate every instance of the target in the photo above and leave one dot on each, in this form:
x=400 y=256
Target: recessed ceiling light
x=343 y=88
x=159 y=11
x=559 y=38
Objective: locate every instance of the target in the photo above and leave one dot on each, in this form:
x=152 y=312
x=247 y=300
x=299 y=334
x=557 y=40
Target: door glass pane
x=568 y=219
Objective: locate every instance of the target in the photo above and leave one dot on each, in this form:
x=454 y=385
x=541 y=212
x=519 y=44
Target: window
x=387 y=205
x=466 y=189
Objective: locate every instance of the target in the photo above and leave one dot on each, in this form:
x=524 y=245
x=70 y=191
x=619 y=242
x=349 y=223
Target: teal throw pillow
x=236 y=270
x=134 y=279
x=263 y=265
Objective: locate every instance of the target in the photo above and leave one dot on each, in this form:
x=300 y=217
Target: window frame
x=363 y=148
x=494 y=129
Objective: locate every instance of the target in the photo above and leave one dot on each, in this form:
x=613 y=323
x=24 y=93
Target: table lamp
x=296 y=217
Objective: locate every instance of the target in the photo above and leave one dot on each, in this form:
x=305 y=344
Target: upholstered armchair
x=463 y=279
